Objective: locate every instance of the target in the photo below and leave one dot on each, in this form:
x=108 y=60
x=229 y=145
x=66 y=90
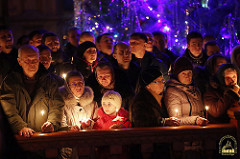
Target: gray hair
x=27 y=48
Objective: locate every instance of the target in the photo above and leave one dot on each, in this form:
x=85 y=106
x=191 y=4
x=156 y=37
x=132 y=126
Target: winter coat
x=172 y=55
x=76 y=110
x=131 y=74
x=102 y=57
x=183 y=101
x=149 y=59
x=162 y=56
x=105 y=121
x=219 y=99
x=145 y=111
x=70 y=51
x=84 y=67
x=196 y=61
x=24 y=111
x=7 y=63
x=204 y=74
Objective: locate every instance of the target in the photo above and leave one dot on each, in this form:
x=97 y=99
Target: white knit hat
x=113 y=97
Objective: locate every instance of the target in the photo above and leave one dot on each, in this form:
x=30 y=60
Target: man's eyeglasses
x=28 y=61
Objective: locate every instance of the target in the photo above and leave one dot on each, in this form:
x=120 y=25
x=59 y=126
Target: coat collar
x=84 y=100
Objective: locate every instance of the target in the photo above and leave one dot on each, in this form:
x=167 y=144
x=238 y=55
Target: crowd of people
x=92 y=83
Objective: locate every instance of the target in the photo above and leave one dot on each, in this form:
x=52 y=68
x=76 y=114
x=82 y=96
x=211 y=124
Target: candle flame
x=42 y=112
x=207 y=108
x=64 y=75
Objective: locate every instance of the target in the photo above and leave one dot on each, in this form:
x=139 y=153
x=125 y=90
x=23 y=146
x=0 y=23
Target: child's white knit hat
x=113 y=97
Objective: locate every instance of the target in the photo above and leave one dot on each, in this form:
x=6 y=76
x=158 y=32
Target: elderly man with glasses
x=30 y=96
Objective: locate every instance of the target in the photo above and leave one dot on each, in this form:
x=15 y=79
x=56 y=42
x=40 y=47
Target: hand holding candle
x=86 y=123
x=176 y=110
x=206 y=111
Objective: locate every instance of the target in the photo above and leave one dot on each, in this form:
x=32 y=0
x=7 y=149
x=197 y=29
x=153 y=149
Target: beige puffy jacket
x=180 y=99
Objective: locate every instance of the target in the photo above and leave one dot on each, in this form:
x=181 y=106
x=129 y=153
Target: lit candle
x=206 y=111
x=117 y=121
x=176 y=110
x=117 y=112
x=42 y=112
x=64 y=75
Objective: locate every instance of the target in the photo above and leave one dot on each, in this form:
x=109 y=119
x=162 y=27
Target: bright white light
x=166 y=28
x=150 y=8
x=184 y=47
x=176 y=110
x=107 y=27
x=158 y=15
x=42 y=112
x=159 y=21
x=64 y=75
x=115 y=36
x=176 y=40
x=207 y=108
x=147 y=17
x=93 y=28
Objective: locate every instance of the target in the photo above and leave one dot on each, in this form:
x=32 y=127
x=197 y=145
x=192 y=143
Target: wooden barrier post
x=234 y=114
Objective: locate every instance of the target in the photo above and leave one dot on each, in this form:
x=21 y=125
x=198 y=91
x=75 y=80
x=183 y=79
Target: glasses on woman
x=160 y=81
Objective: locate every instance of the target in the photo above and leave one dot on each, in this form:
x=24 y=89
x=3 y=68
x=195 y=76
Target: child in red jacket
x=111 y=115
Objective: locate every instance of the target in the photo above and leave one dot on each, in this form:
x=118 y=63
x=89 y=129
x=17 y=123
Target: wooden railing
x=51 y=142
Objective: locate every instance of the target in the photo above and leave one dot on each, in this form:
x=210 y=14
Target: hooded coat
x=78 y=109
x=22 y=110
x=183 y=101
x=203 y=75
x=219 y=97
x=84 y=66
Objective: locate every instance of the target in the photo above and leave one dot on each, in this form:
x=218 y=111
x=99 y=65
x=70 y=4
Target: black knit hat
x=149 y=75
x=182 y=64
x=83 y=47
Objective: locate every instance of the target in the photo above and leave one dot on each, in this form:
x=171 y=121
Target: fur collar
x=84 y=100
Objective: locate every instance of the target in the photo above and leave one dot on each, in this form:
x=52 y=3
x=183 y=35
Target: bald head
x=27 y=48
x=28 y=59
x=122 y=54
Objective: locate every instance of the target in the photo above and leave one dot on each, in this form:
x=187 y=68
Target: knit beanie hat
x=149 y=75
x=83 y=47
x=182 y=64
x=113 y=97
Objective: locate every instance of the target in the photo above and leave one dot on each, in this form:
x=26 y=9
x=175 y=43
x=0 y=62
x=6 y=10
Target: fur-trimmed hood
x=69 y=98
